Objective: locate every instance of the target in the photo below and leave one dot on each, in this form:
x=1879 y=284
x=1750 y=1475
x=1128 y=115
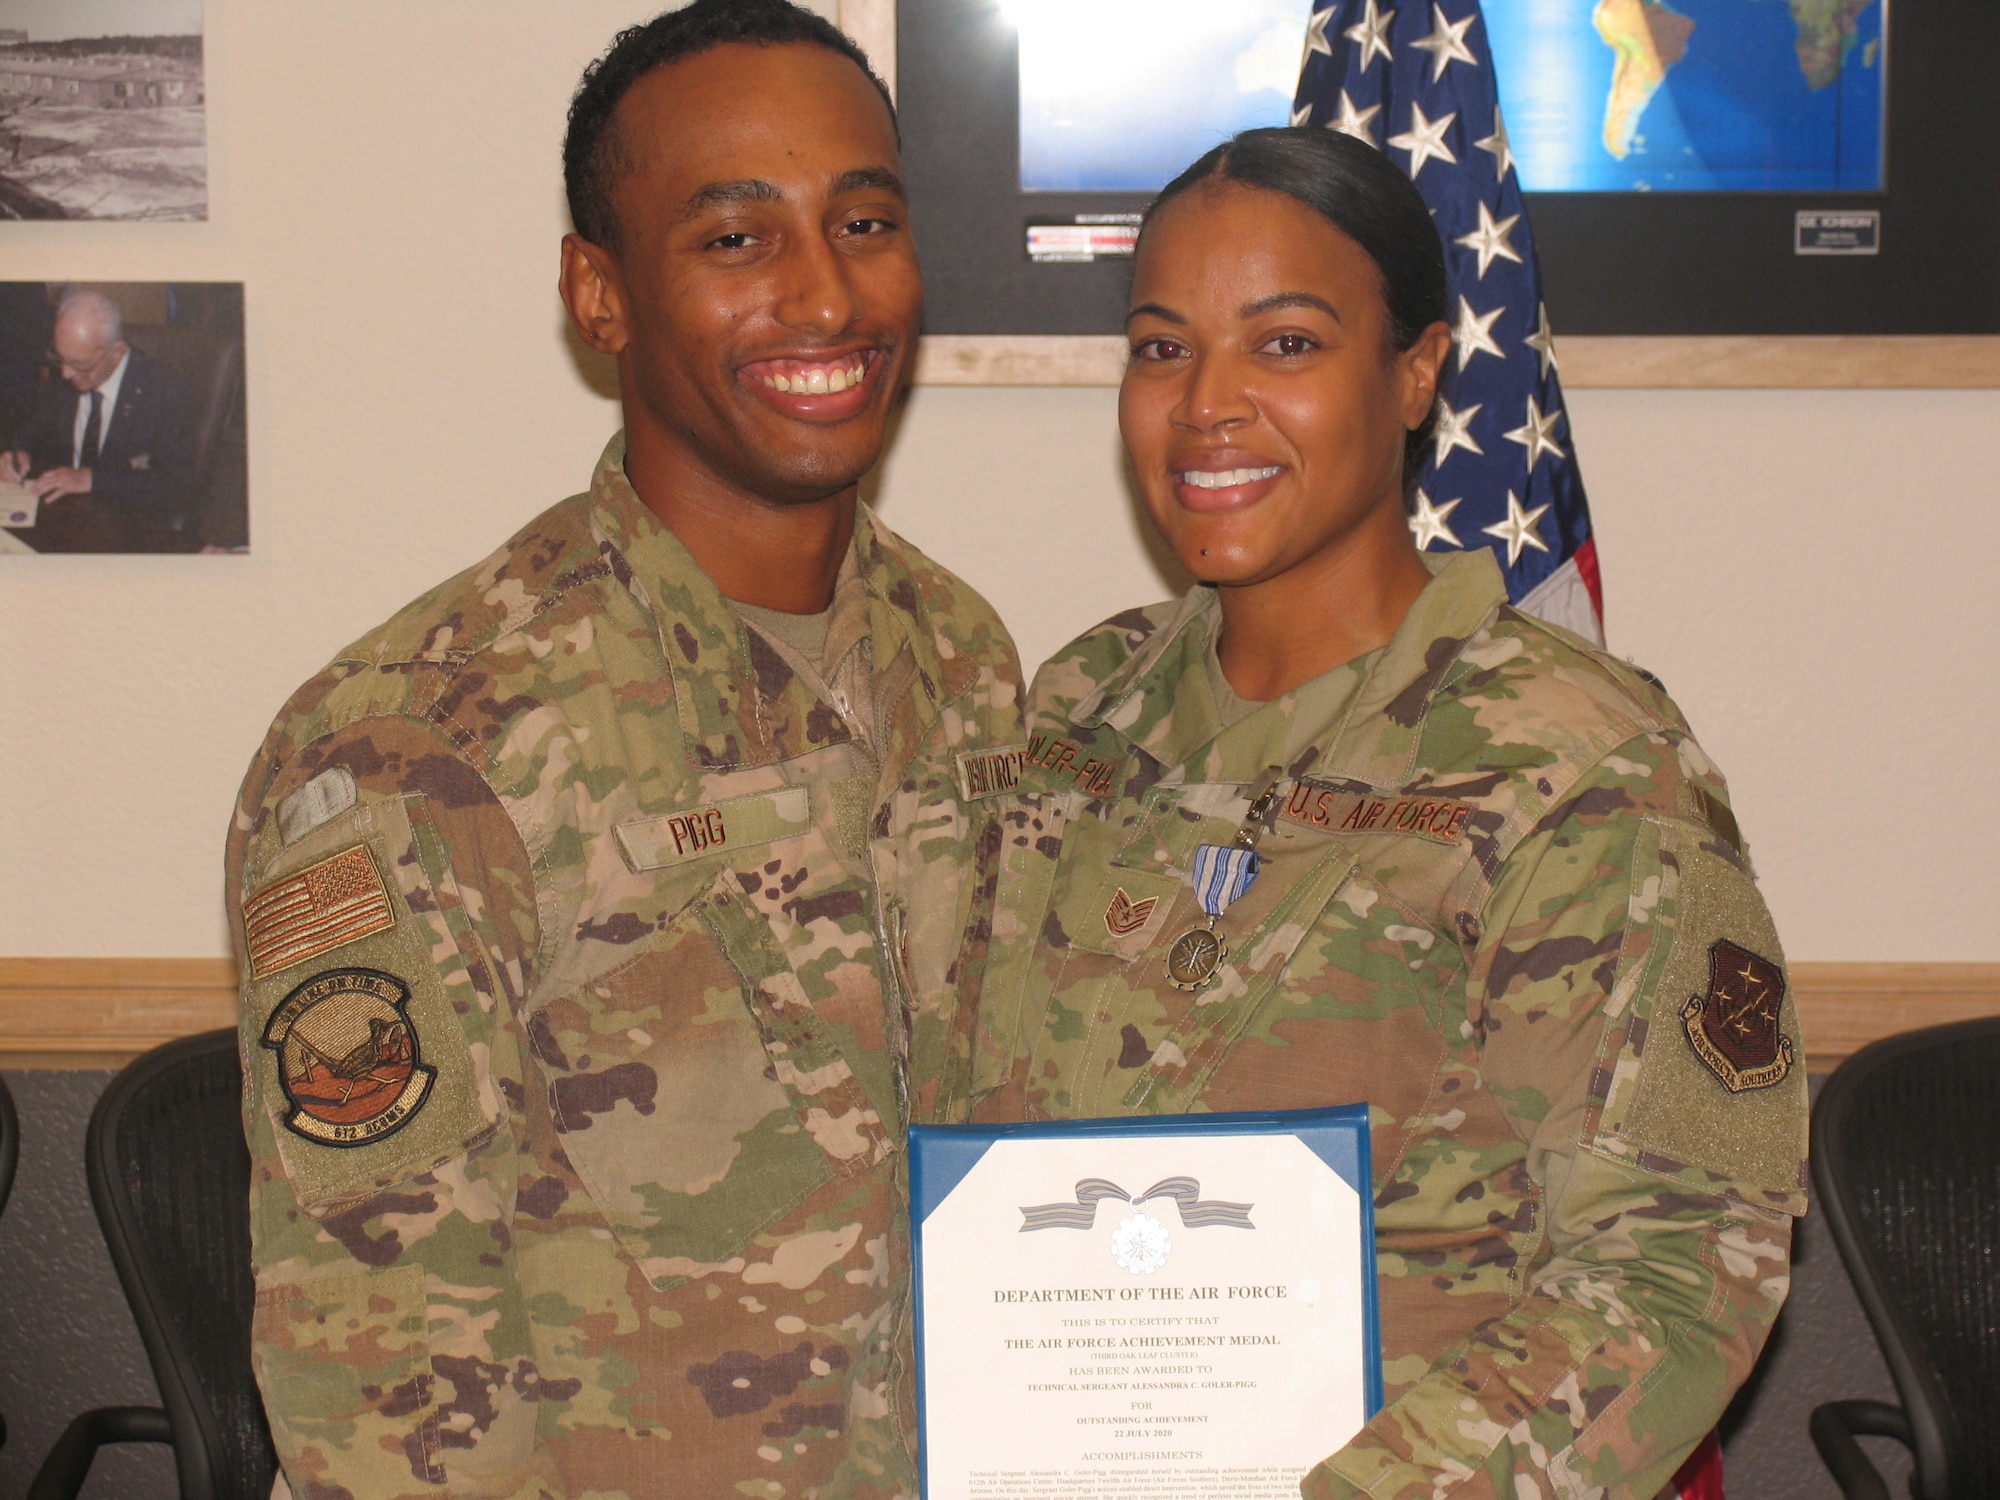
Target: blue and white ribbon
x=1222 y=873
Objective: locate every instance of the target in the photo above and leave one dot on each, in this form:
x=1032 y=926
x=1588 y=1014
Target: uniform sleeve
x=384 y=909
x=1639 y=1033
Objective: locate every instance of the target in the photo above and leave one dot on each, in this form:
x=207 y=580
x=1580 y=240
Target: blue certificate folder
x=941 y=1157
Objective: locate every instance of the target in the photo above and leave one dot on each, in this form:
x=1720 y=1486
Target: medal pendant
x=1194 y=958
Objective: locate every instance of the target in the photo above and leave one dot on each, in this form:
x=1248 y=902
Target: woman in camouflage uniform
x=1500 y=895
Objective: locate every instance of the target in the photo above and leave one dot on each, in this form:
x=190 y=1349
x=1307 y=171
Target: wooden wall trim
x=103 y=1012
x=1732 y=363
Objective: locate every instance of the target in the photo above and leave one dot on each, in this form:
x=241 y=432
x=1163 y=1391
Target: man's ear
x=594 y=293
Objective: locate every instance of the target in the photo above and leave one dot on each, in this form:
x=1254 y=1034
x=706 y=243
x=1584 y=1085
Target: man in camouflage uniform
x=598 y=922
x=1504 y=901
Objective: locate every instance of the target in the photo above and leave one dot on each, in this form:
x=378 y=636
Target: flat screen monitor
x=1691 y=166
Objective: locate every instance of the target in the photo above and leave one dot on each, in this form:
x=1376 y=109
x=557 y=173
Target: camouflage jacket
x=575 y=1069
x=1502 y=900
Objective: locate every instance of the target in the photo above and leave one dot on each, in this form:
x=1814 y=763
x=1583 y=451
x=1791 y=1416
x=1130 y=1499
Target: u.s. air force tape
x=1439 y=819
x=733 y=823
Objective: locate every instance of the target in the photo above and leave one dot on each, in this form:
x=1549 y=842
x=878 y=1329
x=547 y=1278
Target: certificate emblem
x=1140 y=1244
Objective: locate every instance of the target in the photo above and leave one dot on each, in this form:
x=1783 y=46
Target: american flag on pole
x=1415 y=78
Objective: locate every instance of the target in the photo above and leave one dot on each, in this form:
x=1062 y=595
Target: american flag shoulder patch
x=322 y=907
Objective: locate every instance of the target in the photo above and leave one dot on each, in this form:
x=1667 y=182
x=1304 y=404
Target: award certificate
x=1153 y=1307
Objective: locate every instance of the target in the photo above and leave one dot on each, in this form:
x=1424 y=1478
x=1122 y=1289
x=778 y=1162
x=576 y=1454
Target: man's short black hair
x=592 y=158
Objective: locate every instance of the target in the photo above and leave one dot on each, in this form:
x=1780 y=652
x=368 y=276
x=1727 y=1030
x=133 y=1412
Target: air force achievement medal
x=1220 y=874
x=347 y=1057
x=1194 y=958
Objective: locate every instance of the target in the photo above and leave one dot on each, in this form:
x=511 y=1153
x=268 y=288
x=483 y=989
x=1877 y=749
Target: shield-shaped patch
x=1734 y=1027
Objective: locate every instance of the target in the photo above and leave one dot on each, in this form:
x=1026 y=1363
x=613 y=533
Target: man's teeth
x=820 y=380
x=1222 y=479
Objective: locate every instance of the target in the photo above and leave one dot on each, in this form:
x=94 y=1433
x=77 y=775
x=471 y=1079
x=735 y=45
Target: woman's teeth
x=1222 y=479
x=820 y=380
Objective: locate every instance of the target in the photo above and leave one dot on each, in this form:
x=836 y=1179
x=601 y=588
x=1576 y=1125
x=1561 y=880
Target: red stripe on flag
x=1700 y=1478
x=1586 y=565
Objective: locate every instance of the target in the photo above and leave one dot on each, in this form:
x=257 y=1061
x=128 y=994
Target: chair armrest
x=62 y=1473
x=1834 y=1428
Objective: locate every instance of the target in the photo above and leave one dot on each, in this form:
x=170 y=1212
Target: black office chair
x=170 y=1177
x=10 y=1156
x=1906 y=1160
x=10 y=1143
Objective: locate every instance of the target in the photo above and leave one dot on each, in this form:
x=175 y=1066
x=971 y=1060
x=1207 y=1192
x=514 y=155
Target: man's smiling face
x=767 y=291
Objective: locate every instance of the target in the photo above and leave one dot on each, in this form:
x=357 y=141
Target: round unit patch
x=348 y=1057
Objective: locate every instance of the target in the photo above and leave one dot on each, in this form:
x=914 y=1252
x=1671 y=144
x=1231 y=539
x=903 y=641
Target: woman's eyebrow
x=1279 y=300
x=1155 y=310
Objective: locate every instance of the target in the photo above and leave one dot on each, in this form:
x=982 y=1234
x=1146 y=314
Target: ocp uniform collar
x=738 y=704
x=1375 y=741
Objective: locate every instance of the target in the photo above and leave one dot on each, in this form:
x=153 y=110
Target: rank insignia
x=1124 y=916
x=1734 y=1027
x=348 y=1058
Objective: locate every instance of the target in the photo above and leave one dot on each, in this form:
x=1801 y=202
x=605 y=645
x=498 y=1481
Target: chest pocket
x=1126 y=1038
x=696 y=1089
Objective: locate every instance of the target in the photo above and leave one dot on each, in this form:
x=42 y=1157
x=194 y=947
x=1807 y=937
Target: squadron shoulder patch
x=322 y=907
x=1734 y=1027
x=348 y=1058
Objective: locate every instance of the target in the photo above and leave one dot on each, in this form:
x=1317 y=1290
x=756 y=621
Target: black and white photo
x=102 y=110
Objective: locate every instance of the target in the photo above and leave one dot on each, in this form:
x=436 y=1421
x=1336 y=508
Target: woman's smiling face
x=1264 y=409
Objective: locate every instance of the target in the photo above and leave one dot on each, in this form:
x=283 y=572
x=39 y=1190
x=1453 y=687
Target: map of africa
x=1691 y=95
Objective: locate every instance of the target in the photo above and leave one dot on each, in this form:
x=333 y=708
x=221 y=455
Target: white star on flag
x=1424 y=139
x=1354 y=122
x=1518 y=530
x=1537 y=435
x=1474 y=334
x=1543 y=342
x=1316 y=32
x=1427 y=525
x=1432 y=107
x=1302 y=115
x=1495 y=146
x=1454 y=430
x=1372 y=33
x=1490 y=239
x=1446 y=43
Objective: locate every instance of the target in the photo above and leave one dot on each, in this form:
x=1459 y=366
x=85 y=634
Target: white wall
x=1808 y=572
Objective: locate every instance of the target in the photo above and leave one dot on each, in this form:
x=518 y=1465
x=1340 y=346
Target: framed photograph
x=121 y=417
x=102 y=110
x=1693 y=167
